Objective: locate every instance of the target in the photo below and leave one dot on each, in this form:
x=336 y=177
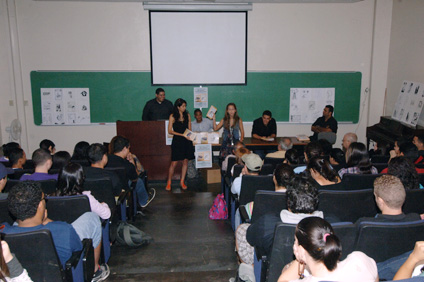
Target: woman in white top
x=70 y=182
x=317 y=252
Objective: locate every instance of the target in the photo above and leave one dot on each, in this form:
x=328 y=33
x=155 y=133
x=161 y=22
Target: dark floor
x=187 y=246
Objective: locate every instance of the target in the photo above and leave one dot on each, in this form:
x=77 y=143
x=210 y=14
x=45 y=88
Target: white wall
x=406 y=48
x=115 y=36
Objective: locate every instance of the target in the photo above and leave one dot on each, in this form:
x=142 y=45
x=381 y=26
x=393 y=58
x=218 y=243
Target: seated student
x=42 y=162
x=239 y=153
x=284 y=145
x=313 y=149
x=381 y=148
x=200 y=124
x=302 y=202
x=317 y=250
x=17 y=158
x=357 y=161
x=70 y=183
x=324 y=174
x=404 y=169
x=283 y=175
x=404 y=148
x=337 y=157
x=418 y=141
x=4 y=171
x=11 y=269
x=27 y=202
x=61 y=159
x=48 y=145
x=97 y=156
x=6 y=149
x=252 y=166
x=237 y=145
x=390 y=196
x=292 y=157
x=122 y=157
x=80 y=151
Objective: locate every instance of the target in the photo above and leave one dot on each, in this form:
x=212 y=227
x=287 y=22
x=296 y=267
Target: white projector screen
x=198 y=48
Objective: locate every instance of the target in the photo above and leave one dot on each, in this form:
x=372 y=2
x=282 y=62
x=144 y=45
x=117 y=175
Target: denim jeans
x=89 y=226
x=387 y=269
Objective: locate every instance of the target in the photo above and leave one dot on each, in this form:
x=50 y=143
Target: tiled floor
x=187 y=246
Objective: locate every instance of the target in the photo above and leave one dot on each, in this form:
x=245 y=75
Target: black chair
x=67 y=208
x=273 y=161
x=359 y=181
x=268 y=202
x=101 y=189
x=382 y=240
x=29 y=164
x=237 y=170
x=37 y=254
x=267 y=169
x=19 y=172
x=282 y=248
x=414 y=201
x=380 y=159
x=347 y=206
x=10 y=183
x=5 y=215
x=252 y=183
x=49 y=187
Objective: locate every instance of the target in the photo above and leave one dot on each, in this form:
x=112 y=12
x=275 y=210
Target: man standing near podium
x=158 y=108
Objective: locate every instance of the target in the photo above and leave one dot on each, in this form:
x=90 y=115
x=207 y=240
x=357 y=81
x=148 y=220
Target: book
x=302 y=137
x=190 y=134
x=211 y=112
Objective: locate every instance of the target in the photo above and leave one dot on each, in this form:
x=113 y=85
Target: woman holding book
x=233 y=130
x=182 y=148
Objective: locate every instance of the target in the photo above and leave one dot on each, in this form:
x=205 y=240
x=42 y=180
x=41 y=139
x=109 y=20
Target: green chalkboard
x=122 y=95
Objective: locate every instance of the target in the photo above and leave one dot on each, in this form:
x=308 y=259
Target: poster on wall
x=200 y=97
x=65 y=106
x=409 y=104
x=307 y=104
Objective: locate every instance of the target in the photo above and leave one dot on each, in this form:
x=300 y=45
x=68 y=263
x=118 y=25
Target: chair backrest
x=267 y=169
x=329 y=136
x=10 y=183
x=282 y=248
x=122 y=174
x=252 y=183
x=273 y=161
x=268 y=202
x=230 y=163
x=102 y=190
x=37 y=254
x=237 y=170
x=19 y=172
x=5 y=215
x=380 y=159
x=48 y=186
x=67 y=208
x=359 y=181
x=382 y=240
x=29 y=164
x=347 y=205
x=414 y=201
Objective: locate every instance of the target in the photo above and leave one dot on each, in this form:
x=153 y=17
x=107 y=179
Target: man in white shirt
x=200 y=124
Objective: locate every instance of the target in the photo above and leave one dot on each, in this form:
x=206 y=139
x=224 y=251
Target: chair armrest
x=88 y=259
x=122 y=197
x=227 y=181
x=73 y=260
x=243 y=214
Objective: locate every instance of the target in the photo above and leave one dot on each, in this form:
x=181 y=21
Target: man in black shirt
x=326 y=123
x=264 y=128
x=122 y=157
x=158 y=108
x=97 y=155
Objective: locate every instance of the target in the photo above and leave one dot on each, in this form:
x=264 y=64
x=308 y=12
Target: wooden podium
x=147 y=139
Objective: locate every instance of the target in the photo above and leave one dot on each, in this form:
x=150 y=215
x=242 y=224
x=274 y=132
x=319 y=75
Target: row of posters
x=65 y=106
x=409 y=104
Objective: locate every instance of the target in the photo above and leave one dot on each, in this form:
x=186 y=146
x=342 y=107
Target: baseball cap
x=5 y=171
x=252 y=161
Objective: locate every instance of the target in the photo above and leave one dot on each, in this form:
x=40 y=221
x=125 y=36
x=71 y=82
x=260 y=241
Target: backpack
x=129 y=235
x=219 y=208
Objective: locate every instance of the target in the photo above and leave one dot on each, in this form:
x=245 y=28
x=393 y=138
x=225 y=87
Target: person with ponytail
x=317 y=250
x=324 y=174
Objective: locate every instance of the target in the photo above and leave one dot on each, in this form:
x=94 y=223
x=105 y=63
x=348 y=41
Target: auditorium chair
x=266 y=202
x=359 y=181
x=414 y=201
x=267 y=169
x=273 y=161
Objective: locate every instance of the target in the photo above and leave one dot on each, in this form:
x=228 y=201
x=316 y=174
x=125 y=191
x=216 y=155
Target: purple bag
x=219 y=208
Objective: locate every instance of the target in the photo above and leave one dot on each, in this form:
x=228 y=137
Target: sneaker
x=101 y=274
x=152 y=194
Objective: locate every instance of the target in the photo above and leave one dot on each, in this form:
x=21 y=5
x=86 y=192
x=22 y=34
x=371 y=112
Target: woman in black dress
x=182 y=148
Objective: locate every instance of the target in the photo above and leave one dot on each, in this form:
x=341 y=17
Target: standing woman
x=233 y=130
x=182 y=148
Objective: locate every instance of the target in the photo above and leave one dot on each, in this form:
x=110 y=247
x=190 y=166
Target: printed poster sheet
x=409 y=103
x=307 y=104
x=203 y=154
x=200 y=97
x=65 y=106
x=168 y=137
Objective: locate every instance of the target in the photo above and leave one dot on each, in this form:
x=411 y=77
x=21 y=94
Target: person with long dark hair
x=80 y=151
x=323 y=173
x=182 y=148
x=233 y=130
x=317 y=250
x=357 y=161
x=404 y=169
